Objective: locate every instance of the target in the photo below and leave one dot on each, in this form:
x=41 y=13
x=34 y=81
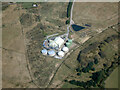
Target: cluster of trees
x=83 y=84
x=85 y=51
x=69 y=11
x=100 y=76
x=69 y=8
x=92 y=48
x=67 y=21
x=97 y=78
x=96 y=60
x=86 y=69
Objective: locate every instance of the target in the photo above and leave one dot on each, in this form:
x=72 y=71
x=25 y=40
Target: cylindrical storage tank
x=68 y=44
x=61 y=54
x=69 y=40
x=51 y=53
x=65 y=49
x=44 y=52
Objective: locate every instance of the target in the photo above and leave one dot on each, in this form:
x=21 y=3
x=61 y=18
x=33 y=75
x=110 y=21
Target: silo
x=68 y=44
x=44 y=52
x=51 y=53
x=70 y=40
x=61 y=54
x=65 y=49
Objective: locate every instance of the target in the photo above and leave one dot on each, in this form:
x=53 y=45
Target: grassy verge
x=112 y=80
x=68 y=85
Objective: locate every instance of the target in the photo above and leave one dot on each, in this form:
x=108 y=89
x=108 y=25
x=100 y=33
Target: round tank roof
x=44 y=51
x=52 y=44
x=61 y=53
x=65 y=49
x=51 y=52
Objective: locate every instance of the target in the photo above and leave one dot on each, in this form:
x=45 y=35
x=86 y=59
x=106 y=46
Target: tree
x=65 y=80
x=93 y=69
x=95 y=60
x=90 y=64
x=101 y=53
x=84 y=70
x=105 y=65
x=67 y=21
x=69 y=9
x=98 y=76
x=73 y=82
x=78 y=74
x=78 y=70
x=108 y=39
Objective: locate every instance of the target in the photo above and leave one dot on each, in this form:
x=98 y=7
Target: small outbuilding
x=34 y=5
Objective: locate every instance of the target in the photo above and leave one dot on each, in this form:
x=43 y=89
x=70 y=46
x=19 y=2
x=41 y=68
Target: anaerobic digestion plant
x=56 y=47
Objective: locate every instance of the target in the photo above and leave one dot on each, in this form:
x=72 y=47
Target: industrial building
x=56 y=47
x=56 y=43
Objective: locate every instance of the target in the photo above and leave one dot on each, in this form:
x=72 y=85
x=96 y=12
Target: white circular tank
x=34 y=5
x=61 y=54
x=44 y=52
x=51 y=53
x=65 y=49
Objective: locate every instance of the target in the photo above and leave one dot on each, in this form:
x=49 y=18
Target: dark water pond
x=88 y=25
x=77 y=28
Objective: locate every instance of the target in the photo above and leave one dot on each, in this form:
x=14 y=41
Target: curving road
x=68 y=27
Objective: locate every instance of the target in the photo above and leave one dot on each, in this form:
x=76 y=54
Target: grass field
x=43 y=68
x=68 y=85
x=14 y=66
x=112 y=80
x=27 y=5
x=52 y=20
x=98 y=15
